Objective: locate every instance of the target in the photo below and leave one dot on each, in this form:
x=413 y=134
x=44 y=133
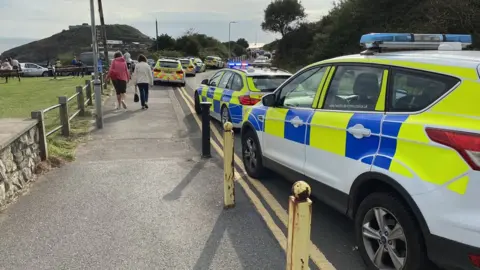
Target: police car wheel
x=198 y=108
x=400 y=245
x=252 y=155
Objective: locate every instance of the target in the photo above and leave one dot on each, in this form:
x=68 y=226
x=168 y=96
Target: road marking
x=315 y=254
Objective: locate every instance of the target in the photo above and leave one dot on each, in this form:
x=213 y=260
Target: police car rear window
x=209 y=58
x=412 y=90
x=166 y=64
x=269 y=83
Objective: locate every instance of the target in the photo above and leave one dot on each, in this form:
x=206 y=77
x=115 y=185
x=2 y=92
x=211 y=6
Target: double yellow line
x=315 y=254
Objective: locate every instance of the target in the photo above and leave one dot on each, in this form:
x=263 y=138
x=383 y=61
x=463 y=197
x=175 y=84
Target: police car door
x=345 y=130
x=285 y=133
x=218 y=94
x=207 y=92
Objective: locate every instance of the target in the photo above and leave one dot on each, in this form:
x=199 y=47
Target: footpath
x=138 y=197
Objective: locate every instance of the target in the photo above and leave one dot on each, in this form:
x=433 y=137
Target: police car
x=391 y=138
x=231 y=90
x=168 y=71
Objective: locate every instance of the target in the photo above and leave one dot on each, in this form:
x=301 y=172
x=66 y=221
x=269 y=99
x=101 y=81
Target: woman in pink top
x=120 y=76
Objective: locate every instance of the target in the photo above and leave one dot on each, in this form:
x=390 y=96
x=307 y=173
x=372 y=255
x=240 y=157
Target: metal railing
x=84 y=98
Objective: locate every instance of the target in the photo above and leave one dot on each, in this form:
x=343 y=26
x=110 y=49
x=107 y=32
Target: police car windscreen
x=209 y=58
x=185 y=63
x=268 y=83
x=167 y=64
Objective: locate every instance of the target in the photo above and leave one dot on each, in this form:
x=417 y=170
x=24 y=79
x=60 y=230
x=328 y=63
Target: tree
x=164 y=42
x=243 y=42
x=281 y=16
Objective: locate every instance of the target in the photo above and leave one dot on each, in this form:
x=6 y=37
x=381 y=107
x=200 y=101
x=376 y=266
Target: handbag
x=136 y=98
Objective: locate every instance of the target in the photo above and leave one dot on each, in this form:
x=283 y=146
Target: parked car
x=33 y=70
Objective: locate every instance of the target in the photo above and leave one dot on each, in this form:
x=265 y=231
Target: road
x=332 y=232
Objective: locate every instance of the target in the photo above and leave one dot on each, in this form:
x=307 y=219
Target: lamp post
x=229 y=51
x=97 y=83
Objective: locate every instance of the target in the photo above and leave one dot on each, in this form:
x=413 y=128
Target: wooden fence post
x=63 y=100
x=42 y=138
x=88 y=92
x=81 y=100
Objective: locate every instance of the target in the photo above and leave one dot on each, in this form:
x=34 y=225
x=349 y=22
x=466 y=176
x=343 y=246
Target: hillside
x=68 y=42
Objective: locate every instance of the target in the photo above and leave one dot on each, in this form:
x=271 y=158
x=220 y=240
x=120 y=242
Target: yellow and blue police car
x=214 y=62
x=188 y=66
x=232 y=90
x=169 y=71
x=391 y=138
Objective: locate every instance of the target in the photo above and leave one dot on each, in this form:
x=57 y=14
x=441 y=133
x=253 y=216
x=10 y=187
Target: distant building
x=72 y=27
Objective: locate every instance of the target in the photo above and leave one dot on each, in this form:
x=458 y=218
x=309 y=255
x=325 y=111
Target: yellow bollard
x=299 y=225
x=228 y=166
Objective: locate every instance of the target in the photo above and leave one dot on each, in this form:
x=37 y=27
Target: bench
x=73 y=70
x=10 y=73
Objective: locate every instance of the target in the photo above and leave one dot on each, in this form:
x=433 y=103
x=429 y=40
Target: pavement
x=138 y=197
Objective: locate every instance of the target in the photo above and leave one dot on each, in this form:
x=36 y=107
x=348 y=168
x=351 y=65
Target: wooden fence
x=83 y=98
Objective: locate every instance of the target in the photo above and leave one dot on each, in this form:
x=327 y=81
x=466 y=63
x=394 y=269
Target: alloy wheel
x=384 y=239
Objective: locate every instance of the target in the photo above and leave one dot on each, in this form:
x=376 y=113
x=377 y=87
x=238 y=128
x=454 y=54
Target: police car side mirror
x=205 y=81
x=269 y=100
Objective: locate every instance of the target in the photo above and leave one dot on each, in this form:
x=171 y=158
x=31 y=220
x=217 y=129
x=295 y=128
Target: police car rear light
x=179 y=71
x=413 y=41
x=475 y=259
x=156 y=69
x=247 y=100
x=467 y=144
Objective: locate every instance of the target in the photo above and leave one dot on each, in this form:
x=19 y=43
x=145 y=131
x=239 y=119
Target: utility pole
x=229 y=51
x=104 y=36
x=97 y=85
x=156 y=33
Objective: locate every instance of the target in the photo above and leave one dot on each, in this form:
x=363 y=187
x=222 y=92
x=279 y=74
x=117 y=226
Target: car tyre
x=403 y=238
x=45 y=74
x=252 y=155
x=198 y=108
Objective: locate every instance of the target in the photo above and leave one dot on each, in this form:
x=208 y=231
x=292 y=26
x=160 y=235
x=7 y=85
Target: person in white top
x=128 y=59
x=143 y=78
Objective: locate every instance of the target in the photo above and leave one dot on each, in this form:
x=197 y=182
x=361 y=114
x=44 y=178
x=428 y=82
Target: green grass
x=19 y=99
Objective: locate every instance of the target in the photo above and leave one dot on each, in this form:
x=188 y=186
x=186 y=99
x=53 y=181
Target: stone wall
x=18 y=161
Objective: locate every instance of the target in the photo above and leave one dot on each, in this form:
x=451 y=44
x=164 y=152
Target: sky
x=36 y=20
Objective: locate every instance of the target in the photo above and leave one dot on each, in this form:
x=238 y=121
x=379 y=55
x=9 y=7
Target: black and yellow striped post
x=299 y=225
x=228 y=166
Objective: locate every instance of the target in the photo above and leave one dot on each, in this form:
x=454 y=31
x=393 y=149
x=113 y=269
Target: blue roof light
x=237 y=64
x=412 y=40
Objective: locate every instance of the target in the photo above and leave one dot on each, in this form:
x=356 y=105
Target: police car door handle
x=296 y=122
x=359 y=131
x=260 y=118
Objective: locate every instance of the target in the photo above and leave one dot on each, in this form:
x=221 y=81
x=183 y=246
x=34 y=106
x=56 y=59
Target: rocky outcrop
x=17 y=164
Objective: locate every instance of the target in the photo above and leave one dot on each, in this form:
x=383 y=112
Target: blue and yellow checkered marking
x=299 y=134
x=367 y=146
x=390 y=128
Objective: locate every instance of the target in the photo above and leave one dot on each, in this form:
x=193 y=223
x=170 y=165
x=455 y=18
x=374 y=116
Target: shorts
x=120 y=86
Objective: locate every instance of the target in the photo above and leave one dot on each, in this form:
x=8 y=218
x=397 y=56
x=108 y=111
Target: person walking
x=143 y=78
x=16 y=66
x=128 y=58
x=120 y=76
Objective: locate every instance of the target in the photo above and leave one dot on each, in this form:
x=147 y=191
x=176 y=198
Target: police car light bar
x=237 y=64
x=412 y=41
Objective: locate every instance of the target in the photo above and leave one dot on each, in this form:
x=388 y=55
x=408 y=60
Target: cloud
x=33 y=19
